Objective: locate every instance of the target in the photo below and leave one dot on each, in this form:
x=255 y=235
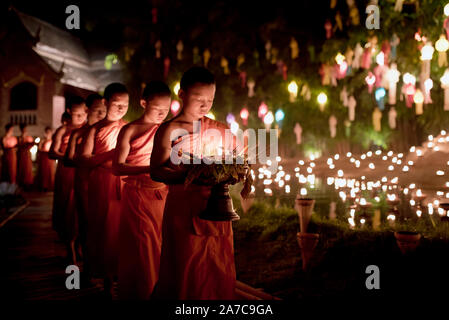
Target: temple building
x=42 y=67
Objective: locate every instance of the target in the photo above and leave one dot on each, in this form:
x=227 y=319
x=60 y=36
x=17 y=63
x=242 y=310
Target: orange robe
x=45 y=178
x=24 y=164
x=104 y=206
x=64 y=211
x=140 y=236
x=81 y=193
x=9 y=164
x=197 y=258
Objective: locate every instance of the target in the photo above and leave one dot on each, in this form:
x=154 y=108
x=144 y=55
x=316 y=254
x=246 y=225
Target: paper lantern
x=166 y=67
x=442 y=45
x=230 y=118
x=298 y=132
x=377 y=117
x=179 y=48
x=352 y=103
x=394 y=42
x=392 y=114
x=176 y=87
x=268 y=50
x=263 y=109
x=328 y=28
x=445 y=85
x=333 y=126
x=279 y=115
x=370 y=79
x=268 y=119
x=174 y=107
x=206 y=57
x=293 y=90
x=393 y=78
x=225 y=65
x=244 y=115
x=428 y=85
x=294 y=48
x=419 y=100
x=158 y=46
x=251 y=84
x=234 y=127
x=380 y=95
x=358 y=52
x=242 y=76
x=322 y=99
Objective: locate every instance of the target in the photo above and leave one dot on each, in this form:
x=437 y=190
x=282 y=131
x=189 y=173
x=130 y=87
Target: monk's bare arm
x=56 y=144
x=119 y=165
x=87 y=158
x=70 y=152
x=161 y=168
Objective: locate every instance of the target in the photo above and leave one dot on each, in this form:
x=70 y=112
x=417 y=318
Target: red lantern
x=244 y=114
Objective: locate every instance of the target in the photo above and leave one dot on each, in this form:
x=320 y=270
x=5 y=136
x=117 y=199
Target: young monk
x=24 y=162
x=45 y=177
x=197 y=258
x=64 y=214
x=143 y=199
x=96 y=112
x=9 y=158
x=104 y=186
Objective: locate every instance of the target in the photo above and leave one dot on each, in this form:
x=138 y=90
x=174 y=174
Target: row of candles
x=350 y=189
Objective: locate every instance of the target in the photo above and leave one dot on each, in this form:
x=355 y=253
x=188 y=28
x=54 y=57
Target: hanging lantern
x=263 y=109
x=206 y=57
x=426 y=55
x=393 y=78
x=179 y=48
x=409 y=88
x=380 y=59
x=377 y=117
x=268 y=50
x=268 y=120
x=358 y=52
x=428 y=85
x=322 y=99
x=279 y=115
x=392 y=114
x=328 y=28
x=352 y=103
x=293 y=90
x=176 y=87
x=196 y=55
x=333 y=126
x=251 y=83
x=419 y=100
x=339 y=58
x=234 y=127
x=445 y=85
x=380 y=95
x=370 y=80
x=394 y=42
x=244 y=115
x=294 y=48
x=224 y=64
x=174 y=107
x=242 y=76
x=442 y=45
x=298 y=133
x=166 y=67
x=230 y=118
x=158 y=46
